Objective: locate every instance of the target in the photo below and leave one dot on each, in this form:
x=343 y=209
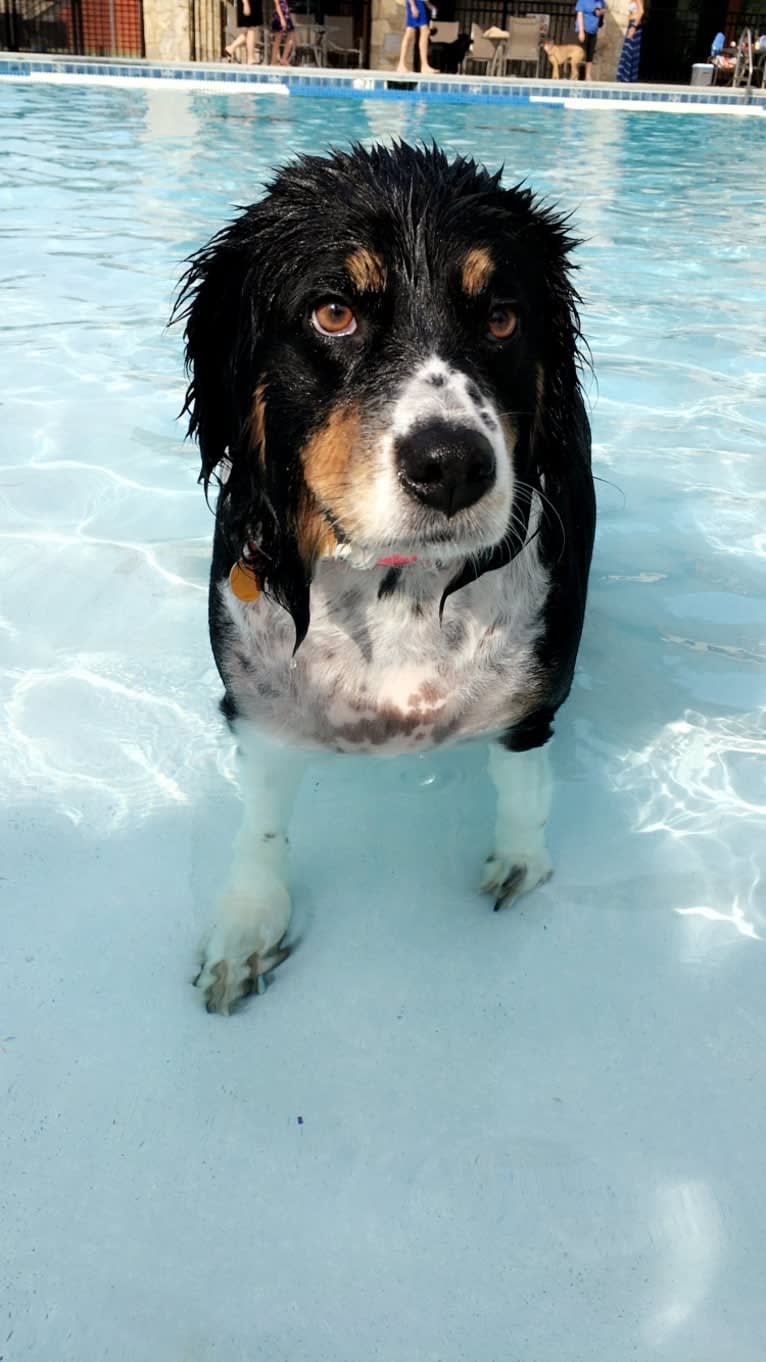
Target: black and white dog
x=384 y=384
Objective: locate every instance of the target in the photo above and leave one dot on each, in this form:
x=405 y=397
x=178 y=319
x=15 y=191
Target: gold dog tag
x=244 y=582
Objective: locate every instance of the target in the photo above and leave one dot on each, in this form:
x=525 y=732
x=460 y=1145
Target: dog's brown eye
x=333 y=319
x=502 y=320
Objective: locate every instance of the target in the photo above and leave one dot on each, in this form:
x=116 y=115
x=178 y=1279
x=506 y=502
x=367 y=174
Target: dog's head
x=383 y=350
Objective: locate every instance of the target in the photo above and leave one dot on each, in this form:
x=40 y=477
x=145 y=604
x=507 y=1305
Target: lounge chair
x=338 y=41
x=523 y=44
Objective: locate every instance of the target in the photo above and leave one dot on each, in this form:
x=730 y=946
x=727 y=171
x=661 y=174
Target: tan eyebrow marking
x=478 y=268
x=366 y=270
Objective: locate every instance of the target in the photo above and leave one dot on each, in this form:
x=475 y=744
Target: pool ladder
x=743 y=69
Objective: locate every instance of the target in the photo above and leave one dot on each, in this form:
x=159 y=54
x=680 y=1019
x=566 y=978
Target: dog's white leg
x=524 y=788
x=254 y=911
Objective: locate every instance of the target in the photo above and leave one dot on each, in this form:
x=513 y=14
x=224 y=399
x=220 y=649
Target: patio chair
x=481 y=53
x=544 y=21
x=444 y=32
x=308 y=45
x=338 y=42
x=523 y=43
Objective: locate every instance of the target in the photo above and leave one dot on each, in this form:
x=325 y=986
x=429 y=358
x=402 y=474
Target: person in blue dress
x=419 y=13
x=630 y=57
x=588 y=20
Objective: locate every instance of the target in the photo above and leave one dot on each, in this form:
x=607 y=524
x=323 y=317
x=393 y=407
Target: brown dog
x=567 y=54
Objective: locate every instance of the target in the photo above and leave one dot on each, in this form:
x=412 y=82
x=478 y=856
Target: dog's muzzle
x=445 y=467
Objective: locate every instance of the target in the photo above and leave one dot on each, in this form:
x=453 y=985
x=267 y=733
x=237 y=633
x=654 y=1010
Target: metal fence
x=93 y=28
x=676 y=34
x=496 y=13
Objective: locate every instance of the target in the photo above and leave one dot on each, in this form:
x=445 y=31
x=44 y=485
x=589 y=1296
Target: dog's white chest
x=385 y=674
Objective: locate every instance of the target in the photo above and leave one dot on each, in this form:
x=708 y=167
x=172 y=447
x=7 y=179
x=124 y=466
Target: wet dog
x=385 y=389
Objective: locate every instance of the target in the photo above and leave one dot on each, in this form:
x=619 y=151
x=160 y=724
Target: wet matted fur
x=385 y=389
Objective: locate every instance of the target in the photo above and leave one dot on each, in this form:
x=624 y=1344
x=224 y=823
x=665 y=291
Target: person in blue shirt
x=588 y=20
x=417 y=18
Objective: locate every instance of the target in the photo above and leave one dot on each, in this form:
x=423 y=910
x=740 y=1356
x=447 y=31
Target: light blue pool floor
x=443 y=1135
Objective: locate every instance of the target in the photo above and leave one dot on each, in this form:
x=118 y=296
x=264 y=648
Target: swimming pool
x=443 y=1134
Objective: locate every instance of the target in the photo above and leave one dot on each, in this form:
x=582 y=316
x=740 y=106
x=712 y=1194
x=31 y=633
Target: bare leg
x=589 y=70
x=276 y=43
x=250 y=36
x=524 y=787
x=408 y=42
x=254 y=910
x=425 y=69
x=233 y=47
x=289 y=45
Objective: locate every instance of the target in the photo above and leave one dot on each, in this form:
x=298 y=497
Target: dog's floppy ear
x=225 y=301
x=548 y=243
x=218 y=301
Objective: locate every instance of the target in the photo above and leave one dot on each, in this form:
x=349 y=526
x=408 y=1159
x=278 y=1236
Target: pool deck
x=217 y=77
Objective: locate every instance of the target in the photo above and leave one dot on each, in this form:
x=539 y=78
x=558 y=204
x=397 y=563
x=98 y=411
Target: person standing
x=282 y=26
x=630 y=57
x=247 y=20
x=418 y=17
x=588 y=20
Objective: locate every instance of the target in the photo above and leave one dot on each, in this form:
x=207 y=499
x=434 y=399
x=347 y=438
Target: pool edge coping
x=216 y=78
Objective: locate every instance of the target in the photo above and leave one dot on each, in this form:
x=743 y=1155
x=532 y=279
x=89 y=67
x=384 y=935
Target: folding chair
x=338 y=41
x=481 y=52
x=523 y=43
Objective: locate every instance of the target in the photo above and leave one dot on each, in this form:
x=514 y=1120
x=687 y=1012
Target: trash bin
x=702 y=73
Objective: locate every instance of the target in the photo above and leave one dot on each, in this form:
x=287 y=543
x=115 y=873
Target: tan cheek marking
x=314 y=536
x=478 y=268
x=326 y=466
x=327 y=454
x=258 y=423
x=366 y=270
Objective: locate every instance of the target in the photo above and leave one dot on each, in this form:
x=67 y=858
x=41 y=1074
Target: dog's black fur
x=446 y=57
x=441 y=426
x=246 y=299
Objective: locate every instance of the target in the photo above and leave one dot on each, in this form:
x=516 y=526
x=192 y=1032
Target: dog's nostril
x=446 y=467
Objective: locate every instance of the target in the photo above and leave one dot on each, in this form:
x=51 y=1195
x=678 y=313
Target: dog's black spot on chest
x=266 y=691
x=389 y=583
x=350 y=601
x=454 y=633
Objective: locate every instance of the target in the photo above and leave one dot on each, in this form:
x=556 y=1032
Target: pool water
x=443 y=1135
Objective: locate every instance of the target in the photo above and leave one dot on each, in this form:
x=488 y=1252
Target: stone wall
x=388 y=19
x=610 y=39
x=166 y=30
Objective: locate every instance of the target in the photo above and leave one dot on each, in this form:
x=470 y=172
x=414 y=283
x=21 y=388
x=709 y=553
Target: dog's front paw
x=508 y=875
x=246 y=944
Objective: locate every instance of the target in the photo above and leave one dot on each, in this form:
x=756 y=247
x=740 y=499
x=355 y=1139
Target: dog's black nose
x=446 y=467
